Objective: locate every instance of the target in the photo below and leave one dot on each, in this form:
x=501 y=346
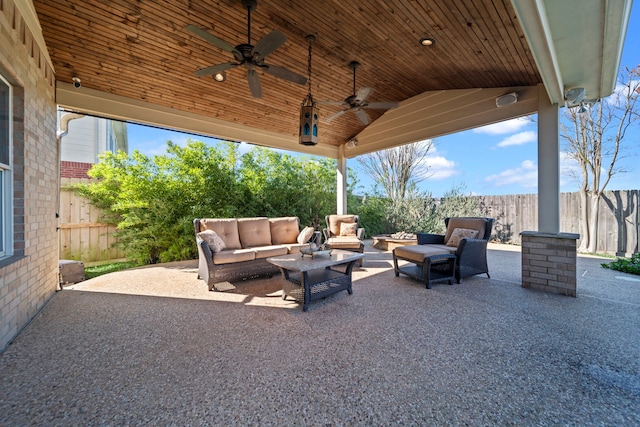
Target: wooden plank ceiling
x=140 y=49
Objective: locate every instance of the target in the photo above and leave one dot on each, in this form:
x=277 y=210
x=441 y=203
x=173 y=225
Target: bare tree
x=396 y=168
x=594 y=135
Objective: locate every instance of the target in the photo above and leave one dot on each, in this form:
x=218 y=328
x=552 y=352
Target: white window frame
x=6 y=184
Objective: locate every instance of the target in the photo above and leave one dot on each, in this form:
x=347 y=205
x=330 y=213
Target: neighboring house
x=82 y=234
x=85 y=139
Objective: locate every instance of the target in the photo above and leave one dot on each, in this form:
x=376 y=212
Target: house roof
x=136 y=61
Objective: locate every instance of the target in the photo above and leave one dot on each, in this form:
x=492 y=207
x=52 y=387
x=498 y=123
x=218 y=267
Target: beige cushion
x=294 y=248
x=305 y=235
x=216 y=244
x=284 y=230
x=478 y=224
x=336 y=220
x=273 y=250
x=344 y=242
x=461 y=233
x=418 y=253
x=235 y=255
x=348 y=229
x=225 y=228
x=254 y=232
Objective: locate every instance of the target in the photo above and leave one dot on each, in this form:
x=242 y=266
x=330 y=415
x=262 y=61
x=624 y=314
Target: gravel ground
x=151 y=346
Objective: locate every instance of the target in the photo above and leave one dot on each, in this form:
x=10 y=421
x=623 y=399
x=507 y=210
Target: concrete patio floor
x=152 y=346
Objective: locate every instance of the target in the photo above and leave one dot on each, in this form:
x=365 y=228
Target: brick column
x=549 y=262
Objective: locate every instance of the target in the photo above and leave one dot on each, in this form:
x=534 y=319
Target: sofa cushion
x=305 y=235
x=268 y=251
x=215 y=243
x=284 y=230
x=336 y=220
x=254 y=232
x=478 y=224
x=418 y=253
x=348 y=229
x=234 y=255
x=294 y=248
x=461 y=233
x=225 y=228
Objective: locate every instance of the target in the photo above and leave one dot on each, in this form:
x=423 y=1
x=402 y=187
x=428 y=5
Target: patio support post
x=341 y=181
x=548 y=165
x=549 y=256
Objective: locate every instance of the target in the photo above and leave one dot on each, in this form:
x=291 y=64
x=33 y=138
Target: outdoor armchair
x=471 y=252
x=344 y=232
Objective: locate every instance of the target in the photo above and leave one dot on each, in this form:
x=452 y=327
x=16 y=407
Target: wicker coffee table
x=307 y=279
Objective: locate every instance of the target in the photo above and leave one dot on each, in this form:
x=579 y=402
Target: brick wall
x=29 y=279
x=549 y=262
x=74 y=169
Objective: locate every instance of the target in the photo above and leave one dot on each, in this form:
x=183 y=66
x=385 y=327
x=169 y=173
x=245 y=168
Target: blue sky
x=492 y=160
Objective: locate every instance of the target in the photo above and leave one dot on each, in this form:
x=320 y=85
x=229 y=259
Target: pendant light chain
x=310 y=39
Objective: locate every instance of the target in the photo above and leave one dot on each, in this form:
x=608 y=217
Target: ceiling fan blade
x=382 y=105
x=336 y=115
x=216 y=69
x=285 y=74
x=210 y=38
x=268 y=44
x=254 y=84
x=362 y=94
x=364 y=118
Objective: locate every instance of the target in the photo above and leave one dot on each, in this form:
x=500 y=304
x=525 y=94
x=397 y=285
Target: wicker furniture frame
x=435 y=268
x=307 y=279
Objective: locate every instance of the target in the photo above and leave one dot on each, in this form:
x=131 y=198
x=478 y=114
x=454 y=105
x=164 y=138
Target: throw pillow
x=348 y=228
x=216 y=244
x=461 y=233
x=305 y=235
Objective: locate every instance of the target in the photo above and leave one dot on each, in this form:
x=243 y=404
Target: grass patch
x=626 y=265
x=99 y=270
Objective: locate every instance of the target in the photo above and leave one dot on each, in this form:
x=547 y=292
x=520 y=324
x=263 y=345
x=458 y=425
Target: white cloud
x=526 y=176
x=519 y=139
x=501 y=128
x=437 y=167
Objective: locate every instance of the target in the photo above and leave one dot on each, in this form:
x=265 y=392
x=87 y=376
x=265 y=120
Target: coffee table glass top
x=297 y=262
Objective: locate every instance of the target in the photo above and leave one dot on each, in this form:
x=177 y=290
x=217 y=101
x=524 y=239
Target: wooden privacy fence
x=618 y=231
x=81 y=235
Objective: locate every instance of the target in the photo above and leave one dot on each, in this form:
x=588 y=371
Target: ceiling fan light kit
x=308 y=134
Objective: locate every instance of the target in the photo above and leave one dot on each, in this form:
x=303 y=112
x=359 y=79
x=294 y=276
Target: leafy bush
x=626 y=265
x=153 y=201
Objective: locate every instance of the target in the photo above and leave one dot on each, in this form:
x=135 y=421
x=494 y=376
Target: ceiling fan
x=357 y=101
x=252 y=57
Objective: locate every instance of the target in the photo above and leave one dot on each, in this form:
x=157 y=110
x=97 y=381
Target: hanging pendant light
x=309 y=110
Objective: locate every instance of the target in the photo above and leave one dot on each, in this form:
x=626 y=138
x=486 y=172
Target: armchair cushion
x=334 y=221
x=348 y=229
x=461 y=233
x=478 y=224
x=344 y=242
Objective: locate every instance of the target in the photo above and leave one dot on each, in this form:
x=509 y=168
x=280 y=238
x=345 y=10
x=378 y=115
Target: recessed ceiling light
x=220 y=77
x=427 y=41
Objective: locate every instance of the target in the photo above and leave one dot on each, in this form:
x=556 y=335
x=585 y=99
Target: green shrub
x=626 y=265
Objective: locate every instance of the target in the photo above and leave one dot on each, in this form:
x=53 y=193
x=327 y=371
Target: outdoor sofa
x=238 y=248
x=468 y=244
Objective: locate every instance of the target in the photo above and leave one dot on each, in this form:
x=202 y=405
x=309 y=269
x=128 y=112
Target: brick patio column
x=549 y=262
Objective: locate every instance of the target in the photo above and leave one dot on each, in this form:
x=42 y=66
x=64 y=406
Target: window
x=6 y=196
